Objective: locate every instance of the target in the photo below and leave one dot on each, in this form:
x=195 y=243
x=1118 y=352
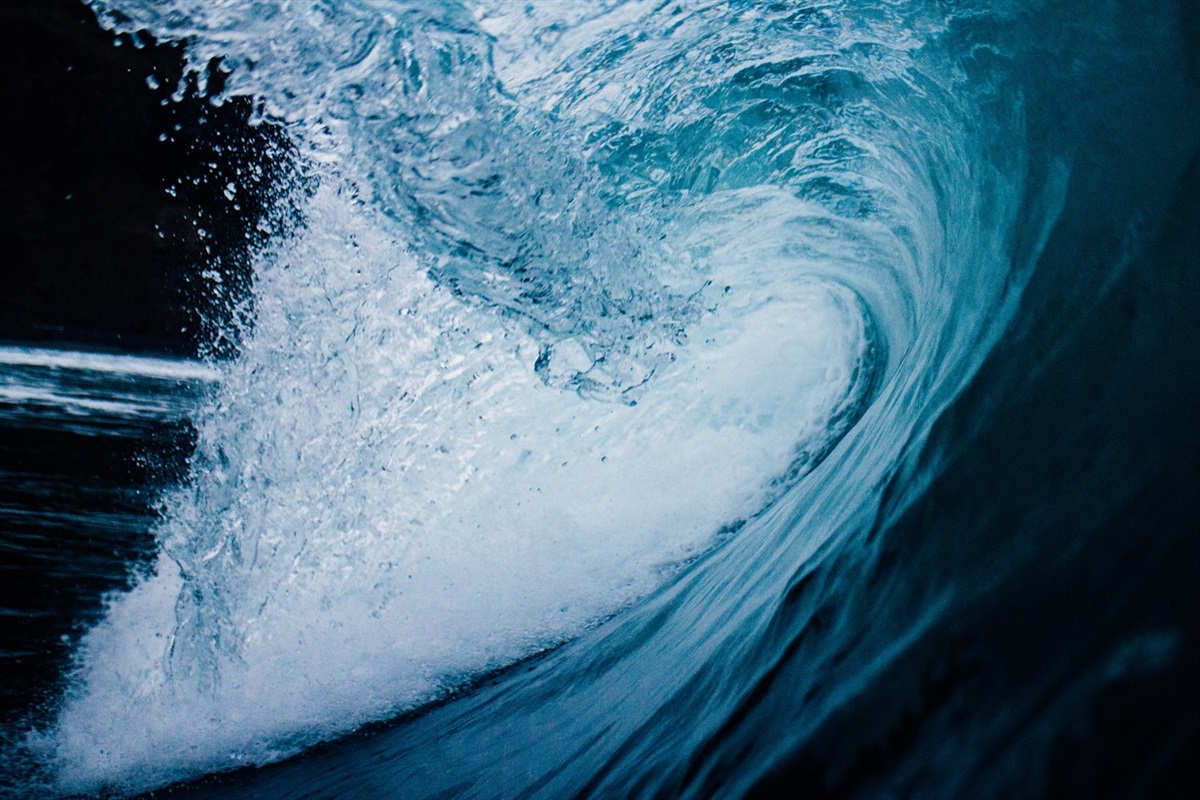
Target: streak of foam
x=62 y=385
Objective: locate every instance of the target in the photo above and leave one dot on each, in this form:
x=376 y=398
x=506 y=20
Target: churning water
x=775 y=383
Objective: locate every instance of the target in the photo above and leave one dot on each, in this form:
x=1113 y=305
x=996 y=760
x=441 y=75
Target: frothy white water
x=426 y=465
x=388 y=498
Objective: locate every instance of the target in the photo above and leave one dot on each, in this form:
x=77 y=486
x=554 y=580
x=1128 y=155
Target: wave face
x=676 y=315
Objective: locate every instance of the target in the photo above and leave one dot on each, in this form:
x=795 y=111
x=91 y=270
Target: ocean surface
x=606 y=399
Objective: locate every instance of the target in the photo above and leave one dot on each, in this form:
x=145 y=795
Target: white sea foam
x=389 y=498
x=426 y=464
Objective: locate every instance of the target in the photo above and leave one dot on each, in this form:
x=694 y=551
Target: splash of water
x=550 y=330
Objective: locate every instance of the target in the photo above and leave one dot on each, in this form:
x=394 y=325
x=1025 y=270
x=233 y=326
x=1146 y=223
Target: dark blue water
x=646 y=399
